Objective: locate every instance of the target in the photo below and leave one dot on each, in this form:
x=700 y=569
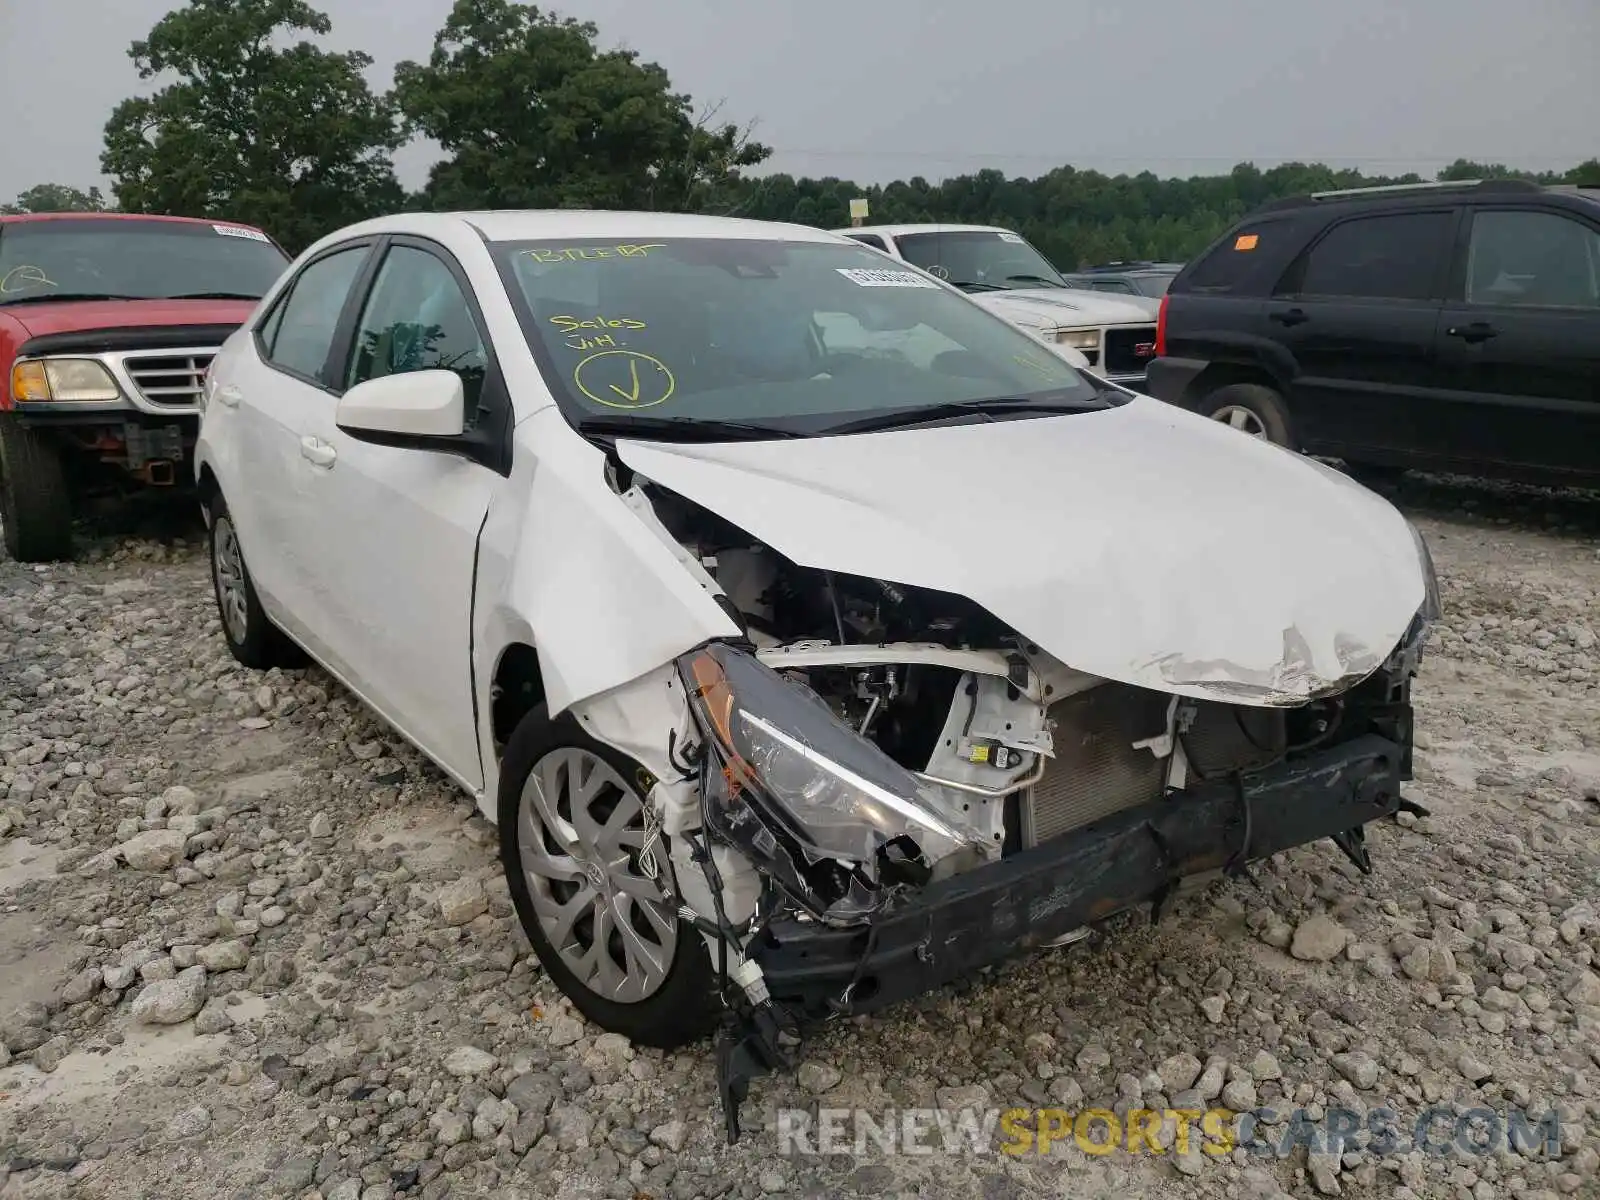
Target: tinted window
x=868 y=239
x=1236 y=259
x=1154 y=285
x=417 y=319
x=763 y=330
x=1533 y=258
x=1394 y=257
x=41 y=260
x=305 y=327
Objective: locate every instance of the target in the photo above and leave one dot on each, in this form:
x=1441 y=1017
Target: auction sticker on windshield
x=255 y=235
x=866 y=277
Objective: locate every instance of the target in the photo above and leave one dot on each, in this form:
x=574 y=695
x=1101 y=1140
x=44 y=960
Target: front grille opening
x=1097 y=773
x=172 y=380
x=1129 y=348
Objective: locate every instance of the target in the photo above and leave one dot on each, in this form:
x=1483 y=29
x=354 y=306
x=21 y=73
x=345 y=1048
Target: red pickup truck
x=107 y=325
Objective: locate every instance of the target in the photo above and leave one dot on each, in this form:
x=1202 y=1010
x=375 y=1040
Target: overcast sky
x=882 y=89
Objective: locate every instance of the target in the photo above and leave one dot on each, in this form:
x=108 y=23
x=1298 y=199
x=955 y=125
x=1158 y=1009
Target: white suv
x=1007 y=275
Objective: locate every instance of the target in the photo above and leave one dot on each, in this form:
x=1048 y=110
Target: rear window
x=1390 y=256
x=1250 y=251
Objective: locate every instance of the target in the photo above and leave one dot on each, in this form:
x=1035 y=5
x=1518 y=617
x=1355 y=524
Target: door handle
x=317 y=452
x=229 y=395
x=1478 y=331
x=1290 y=316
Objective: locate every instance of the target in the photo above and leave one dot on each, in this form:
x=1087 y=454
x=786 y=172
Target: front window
x=790 y=337
x=1532 y=259
x=130 y=259
x=980 y=260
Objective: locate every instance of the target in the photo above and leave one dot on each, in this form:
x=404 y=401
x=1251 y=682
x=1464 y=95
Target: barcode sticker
x=239 y=231
x=862 y=277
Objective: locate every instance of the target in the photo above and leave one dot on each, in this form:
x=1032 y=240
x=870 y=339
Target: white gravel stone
x=171 y=1001
x=153 y=850
x=468 y=1061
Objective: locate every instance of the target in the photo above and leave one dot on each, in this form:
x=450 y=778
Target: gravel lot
x=226 y=969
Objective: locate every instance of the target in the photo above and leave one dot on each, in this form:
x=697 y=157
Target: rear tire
x=253 y=639
x=1252 y=408
x=34 y=506
x=559 y=859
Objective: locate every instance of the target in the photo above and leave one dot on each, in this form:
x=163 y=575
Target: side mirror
x=403 y=409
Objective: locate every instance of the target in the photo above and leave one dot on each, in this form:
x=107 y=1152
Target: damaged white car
x=814 y=636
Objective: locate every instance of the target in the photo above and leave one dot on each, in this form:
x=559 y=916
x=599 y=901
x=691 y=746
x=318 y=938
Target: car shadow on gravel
x=164 y=515
x=1555 y=510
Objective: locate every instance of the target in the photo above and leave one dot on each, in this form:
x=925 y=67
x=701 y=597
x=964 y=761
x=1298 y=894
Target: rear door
x=1358 y=310
x=1520 y=341
x=270 y=395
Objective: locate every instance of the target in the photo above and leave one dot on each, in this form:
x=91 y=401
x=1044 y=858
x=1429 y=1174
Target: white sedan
x=813 y=635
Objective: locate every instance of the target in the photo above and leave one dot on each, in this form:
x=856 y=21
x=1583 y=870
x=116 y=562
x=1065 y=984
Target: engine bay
x=1023 y=746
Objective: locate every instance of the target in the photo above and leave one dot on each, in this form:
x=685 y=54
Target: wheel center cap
x=596 y=875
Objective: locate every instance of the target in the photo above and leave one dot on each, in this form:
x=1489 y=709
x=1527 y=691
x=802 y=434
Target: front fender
x=566 y=567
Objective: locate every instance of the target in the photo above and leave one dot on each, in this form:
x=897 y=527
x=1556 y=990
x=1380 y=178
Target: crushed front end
x=894 y=791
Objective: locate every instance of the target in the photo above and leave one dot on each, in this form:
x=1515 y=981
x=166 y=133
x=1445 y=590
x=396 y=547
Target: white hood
x=1053 y=308
x=1140 y=543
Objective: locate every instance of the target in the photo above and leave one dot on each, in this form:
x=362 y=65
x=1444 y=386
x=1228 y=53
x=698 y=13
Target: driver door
x=400 y=539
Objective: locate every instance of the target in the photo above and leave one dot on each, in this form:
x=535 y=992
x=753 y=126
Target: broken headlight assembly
x=834 y=821
x=1407 y=656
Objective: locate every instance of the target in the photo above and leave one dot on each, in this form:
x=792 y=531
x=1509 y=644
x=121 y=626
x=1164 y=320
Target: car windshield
x=980 y=260
x=785 y=336
x=132 y=259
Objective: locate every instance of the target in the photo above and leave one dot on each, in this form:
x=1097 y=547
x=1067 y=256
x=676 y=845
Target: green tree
x=56 y=197
x=531 y=113
x=285 y=136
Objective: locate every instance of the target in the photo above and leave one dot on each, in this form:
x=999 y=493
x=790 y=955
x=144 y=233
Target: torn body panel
x=1285 y=583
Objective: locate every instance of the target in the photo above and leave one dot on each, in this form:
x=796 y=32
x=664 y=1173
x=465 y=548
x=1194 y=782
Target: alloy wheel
x=581 y=833
x=227 y=563
x=1238 y=417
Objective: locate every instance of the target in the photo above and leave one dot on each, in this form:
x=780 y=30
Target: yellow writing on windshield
x=21 y=278
x=624 y=379
x=592 y=253
x=570 y=324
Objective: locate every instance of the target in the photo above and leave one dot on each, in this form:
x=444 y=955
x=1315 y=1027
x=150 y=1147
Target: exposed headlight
x=62 y=381
x=1079 y=339
x=833 y=817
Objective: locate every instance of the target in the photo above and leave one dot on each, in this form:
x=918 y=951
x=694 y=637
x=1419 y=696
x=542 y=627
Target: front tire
x=252 y=638
x=1253 y=409
x=34 y=506
x=571 y=813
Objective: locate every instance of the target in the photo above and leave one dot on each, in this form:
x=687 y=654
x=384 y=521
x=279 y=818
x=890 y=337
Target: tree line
x=256 y=120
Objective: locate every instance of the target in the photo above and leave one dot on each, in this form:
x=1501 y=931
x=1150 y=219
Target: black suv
x=1451 y=327
x=1147 y=279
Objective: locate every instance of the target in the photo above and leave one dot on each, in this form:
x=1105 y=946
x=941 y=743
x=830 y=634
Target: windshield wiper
x=1044 y=279
x=42 y=296
x=696 y=429
x=214 y=296
x=905 y=418
x=982 y=287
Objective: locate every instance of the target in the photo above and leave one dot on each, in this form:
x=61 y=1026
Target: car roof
x=897 y=230
x=524 y=225
x=16 y=218
x=1404 y=195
